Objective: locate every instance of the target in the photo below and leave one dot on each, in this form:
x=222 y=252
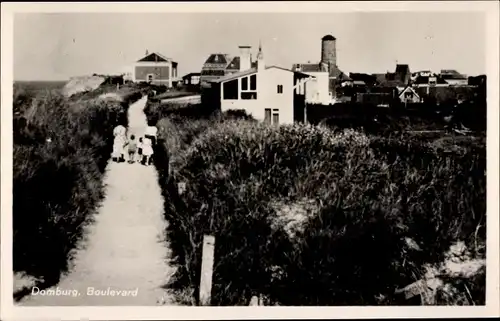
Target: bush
x=307 y=216
x=61 y=148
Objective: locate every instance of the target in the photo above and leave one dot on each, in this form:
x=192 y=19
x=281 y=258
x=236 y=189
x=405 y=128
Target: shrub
x=355 y=201
x=61 y=148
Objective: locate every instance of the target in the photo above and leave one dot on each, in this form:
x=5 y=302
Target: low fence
x=195 y=99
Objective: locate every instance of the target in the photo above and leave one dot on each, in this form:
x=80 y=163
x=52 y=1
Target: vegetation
x=306 y=215
x=61 y=148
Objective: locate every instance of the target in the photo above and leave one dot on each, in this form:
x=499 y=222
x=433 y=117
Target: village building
x=191 y=79
x=327 y=76
x=400 y=78
x=269 y=93
x=409 y=95
x=219 y=65
x=453 y=77
x=156 y=69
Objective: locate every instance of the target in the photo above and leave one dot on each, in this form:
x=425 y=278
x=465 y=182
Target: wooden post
x=207 y=265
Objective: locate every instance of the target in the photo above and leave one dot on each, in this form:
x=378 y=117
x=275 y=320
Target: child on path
x=139 y=150
x=132 y=148
x=118 y=149
x=147 y=151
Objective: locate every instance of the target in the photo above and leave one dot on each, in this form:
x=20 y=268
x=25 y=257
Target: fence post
x=207 y=265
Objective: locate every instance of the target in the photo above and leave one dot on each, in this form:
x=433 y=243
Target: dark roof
x=234 y=64
x=388 y=80
x=217 y=59
x=379 y=78
x=192 y=74
x=328 y=37
x=368 y=79
x=337 y=73
x=156 y=57
x=451 y=74
x=310 y=67
x=477 y=80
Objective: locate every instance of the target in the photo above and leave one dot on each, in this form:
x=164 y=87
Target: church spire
x=260 y=55
x=260 y=58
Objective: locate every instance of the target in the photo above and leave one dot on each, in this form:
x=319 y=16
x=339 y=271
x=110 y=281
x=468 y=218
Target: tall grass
x=309 y=216
x=61 y=149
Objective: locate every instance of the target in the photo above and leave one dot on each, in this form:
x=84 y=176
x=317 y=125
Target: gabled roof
x=154 y=57
x=409 y=88
x=235 y=64
x=218 y=58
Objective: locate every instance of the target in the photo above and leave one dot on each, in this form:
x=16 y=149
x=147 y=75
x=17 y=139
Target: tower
x=329 y=51
x=260 y=58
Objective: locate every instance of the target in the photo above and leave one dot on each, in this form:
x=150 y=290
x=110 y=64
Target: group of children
x=140 y=150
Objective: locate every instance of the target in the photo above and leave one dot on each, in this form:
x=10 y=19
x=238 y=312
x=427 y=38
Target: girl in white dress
x=147 y=151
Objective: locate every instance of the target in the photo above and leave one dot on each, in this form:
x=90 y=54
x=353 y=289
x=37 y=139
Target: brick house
x=156 y=69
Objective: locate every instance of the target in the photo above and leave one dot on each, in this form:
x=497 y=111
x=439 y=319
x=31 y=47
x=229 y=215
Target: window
x=247 y=93
x=212 y=72
x=267 y=115
x=276 y=116
x=408 y=94
x=253 y=82
x=280 y=89
x=230 y=89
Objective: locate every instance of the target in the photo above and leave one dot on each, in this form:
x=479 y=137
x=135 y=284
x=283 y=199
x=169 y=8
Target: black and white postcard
x=270 y=158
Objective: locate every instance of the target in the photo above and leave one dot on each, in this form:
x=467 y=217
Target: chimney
x=245 y=59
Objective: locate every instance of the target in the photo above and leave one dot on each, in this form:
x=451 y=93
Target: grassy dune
x=61 y=148
x=307 y=216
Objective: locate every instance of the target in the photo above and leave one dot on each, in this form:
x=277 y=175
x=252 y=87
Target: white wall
x=317 y=90
x=267 y=96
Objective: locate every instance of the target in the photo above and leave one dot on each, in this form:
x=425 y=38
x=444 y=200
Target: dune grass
x=304 y=215
x=61 y=149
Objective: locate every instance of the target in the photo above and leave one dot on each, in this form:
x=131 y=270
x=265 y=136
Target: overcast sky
x=58 y=46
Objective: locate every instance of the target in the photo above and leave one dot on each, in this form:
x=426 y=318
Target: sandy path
x=124 y=248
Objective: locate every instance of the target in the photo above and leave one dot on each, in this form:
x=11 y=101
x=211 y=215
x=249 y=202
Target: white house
x=317 y=89
x=408 y=95
x=269 y=93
